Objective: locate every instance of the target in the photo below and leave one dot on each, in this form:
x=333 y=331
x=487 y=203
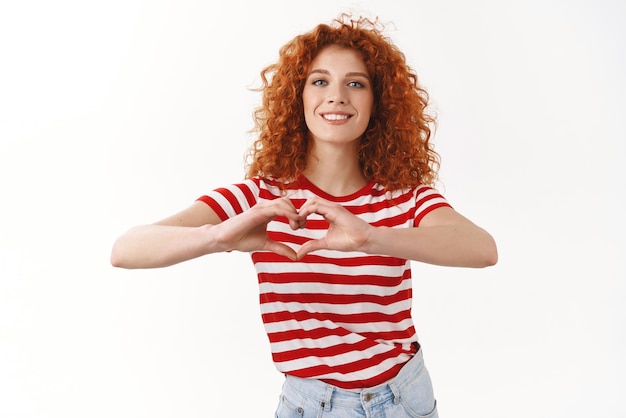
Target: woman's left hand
x=346 y=232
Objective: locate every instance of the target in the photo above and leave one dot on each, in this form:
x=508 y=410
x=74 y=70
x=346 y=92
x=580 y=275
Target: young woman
x=338 y=199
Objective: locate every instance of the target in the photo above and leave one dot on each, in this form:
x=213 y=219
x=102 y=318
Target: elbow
x=490 y=253
x=491 y=259
x=118 y=258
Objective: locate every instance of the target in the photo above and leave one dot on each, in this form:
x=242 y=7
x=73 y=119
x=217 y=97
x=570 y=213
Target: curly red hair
x=395 y=149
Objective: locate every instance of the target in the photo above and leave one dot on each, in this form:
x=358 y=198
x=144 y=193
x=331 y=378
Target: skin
x=338 y=84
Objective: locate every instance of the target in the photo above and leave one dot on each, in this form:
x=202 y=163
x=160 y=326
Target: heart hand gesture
x=346 y=231
x=247 y=231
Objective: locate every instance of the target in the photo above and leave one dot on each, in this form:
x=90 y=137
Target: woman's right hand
x=247 y=231
x=197 y=231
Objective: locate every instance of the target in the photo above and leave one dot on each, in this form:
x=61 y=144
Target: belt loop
x=329 y=394
x=396 y=392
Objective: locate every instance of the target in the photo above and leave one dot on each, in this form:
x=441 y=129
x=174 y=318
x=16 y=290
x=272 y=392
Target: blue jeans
x=409 y=394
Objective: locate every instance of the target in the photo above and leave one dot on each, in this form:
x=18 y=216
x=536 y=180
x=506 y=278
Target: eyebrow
x=350 y=74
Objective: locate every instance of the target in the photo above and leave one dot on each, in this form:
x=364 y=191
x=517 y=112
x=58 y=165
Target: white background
x=122 y=112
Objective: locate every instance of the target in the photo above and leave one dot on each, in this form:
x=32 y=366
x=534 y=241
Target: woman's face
x=337 y=96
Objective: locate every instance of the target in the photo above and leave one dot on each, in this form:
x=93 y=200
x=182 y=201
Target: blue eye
x=355 y=84
x=319 y=82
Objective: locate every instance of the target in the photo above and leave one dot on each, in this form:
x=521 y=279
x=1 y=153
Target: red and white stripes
x=341 y=317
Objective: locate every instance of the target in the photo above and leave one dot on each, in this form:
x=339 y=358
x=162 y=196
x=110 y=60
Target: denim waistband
x=327 y=394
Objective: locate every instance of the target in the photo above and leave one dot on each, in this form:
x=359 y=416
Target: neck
x=335 y=169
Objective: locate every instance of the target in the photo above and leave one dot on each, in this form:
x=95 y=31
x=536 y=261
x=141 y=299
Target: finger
x=286 y=208
x=294 y=225
x=309 y=207
x=319 y=207
x=281 y=249
x=277 y=208
x=309 y=246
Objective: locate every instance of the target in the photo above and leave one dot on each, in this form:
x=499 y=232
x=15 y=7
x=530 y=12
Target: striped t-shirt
x=340 y=317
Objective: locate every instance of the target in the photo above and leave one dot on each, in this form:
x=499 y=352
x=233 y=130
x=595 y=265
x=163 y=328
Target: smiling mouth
x=335 y=116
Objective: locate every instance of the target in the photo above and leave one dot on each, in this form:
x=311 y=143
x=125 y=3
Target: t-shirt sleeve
x=232 y=200
x=427 y=199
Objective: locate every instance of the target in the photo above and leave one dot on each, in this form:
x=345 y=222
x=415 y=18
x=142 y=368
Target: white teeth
x=333 y=116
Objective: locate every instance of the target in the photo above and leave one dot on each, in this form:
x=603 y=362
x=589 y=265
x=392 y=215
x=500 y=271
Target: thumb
x=281 y=249
x=309 y=246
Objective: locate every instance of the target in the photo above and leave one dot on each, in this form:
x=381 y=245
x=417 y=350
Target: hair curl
x=395 y=149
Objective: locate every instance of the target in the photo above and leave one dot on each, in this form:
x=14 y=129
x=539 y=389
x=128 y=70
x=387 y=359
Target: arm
x=178 y=238
x=197 y=231
x=444 y=237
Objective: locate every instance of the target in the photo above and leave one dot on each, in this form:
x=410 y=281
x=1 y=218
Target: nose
x=336 y=95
